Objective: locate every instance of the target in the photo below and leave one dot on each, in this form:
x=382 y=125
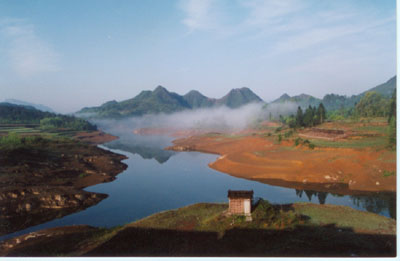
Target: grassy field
x=366 y=133
x=28 y=130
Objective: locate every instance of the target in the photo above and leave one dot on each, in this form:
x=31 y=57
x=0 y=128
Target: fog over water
x=219 y=118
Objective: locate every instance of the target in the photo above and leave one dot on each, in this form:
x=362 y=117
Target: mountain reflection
x=146 y=152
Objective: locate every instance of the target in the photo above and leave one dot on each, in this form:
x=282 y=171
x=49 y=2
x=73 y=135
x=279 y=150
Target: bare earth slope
x=256 y=157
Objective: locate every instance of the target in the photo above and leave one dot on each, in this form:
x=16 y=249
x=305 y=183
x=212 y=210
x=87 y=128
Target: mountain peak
x=238 y=97
x=193 y=92
x=284 y=96
x=160 y=100
x=197 y=100
x=160 y=88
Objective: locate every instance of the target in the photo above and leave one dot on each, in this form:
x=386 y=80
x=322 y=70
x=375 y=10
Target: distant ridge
x=302 y=100
x=335 y=101
x=160 y=100
x=39 y=107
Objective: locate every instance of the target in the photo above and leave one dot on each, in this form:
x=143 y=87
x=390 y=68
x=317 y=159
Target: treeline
x=17 y=114
x=66 y=122
x=311 y=117
x=372 y=104
x=392 y=120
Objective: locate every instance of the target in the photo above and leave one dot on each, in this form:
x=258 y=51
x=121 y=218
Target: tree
x=372 y=104
x=308 y=117
x=392 y=107
x=299 y=117
x=392 y=121
x=321 y=113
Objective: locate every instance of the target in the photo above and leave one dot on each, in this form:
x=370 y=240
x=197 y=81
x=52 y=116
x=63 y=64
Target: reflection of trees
x=310 y=193
x=322 y=197
x=377 y=203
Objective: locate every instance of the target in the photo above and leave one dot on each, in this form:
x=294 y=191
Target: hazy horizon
x=73 y=54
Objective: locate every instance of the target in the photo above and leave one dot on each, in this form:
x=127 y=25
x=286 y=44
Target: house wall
x=236 y=206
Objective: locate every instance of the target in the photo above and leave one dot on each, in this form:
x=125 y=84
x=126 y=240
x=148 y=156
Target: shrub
x=298 y=141
x=15 y=141
x=288 y=133
x=265 y=212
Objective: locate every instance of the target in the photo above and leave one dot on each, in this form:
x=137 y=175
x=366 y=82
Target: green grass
x=344 y=217
x=211 y=217
x=82 y=175
x=369 y=128
x=376 y=142
x=388 y=173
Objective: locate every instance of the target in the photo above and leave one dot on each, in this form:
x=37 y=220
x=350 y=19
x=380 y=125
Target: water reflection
x=377 y=203
x=374 y=202
x=310 y=193
x=148 y=147
x=145 y=151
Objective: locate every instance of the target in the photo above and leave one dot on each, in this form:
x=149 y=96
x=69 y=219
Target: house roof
x=240 y=194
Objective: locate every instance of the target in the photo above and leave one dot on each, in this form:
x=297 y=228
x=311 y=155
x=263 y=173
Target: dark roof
x=240 y=194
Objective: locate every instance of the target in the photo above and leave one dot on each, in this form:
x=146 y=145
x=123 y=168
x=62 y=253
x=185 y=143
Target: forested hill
x=162 y=101
x=39 y=107
x=335 y=101
x=19 y=114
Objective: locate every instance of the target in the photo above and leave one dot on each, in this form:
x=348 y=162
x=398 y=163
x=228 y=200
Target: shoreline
x=254 y=157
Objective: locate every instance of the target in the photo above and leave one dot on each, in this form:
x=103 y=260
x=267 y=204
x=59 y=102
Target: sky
x=77 y=53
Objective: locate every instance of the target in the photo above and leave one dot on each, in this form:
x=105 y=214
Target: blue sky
x=71 y=54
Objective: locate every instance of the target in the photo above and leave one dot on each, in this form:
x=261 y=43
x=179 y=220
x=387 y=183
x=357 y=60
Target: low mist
x=212 y=119
x=207 y=119
x=220 y=119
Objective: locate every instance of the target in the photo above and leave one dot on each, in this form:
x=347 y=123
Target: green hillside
x=238 y=97
x=385 y=89
x=18 y=114
x=302 y=100
x=162 y=101
x=334 y=101
x=197 y=100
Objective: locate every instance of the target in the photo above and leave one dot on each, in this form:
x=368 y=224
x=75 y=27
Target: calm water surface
x=158 y=180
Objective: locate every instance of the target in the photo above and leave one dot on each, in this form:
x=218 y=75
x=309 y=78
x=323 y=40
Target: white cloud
x=272 y=12
x=197 y=14
x=287 y=25
x=27 y=53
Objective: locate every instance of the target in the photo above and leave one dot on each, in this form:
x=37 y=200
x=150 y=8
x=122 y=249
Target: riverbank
x=300 y=229
x=339 y=166
x=43 y=179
